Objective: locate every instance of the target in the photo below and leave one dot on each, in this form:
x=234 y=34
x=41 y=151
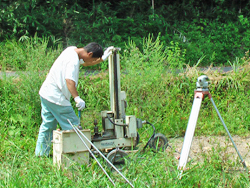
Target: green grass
x=19 y=168
x=153 y=94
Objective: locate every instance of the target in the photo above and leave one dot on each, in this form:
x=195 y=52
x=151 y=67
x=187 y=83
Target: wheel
x=159 y=142
x=118 y=158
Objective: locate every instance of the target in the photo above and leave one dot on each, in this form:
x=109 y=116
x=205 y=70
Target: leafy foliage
x=216 y=31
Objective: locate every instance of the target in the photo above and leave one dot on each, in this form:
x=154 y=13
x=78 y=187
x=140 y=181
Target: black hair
x=95 y=48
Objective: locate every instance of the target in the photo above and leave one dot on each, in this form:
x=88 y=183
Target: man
x=59 y=86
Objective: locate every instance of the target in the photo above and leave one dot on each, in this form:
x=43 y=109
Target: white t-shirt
x=66 y=66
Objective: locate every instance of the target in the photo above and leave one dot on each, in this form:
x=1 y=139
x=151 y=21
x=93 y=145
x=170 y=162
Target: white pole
x=190 y=131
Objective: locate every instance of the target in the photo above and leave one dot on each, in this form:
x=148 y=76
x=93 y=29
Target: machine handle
x=79 y=114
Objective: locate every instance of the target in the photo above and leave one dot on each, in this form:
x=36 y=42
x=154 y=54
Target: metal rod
x=91 y=152
x=242 y=161
x=75 y=128
x=111 y=164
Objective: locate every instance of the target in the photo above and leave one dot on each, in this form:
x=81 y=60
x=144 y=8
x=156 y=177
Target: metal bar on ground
x=75 y=128
x=91 y=152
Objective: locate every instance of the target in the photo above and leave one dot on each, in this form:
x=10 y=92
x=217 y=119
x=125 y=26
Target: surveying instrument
x=199 y=94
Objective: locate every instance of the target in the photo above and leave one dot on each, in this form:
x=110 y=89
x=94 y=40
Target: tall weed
x=20 y=103
x=153 y=93
x=29 y=54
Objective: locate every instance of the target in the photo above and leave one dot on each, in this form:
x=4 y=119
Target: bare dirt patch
x=205 y=145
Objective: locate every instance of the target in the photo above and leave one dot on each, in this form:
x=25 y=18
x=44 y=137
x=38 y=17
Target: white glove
x=107 y=53
x=80 y=104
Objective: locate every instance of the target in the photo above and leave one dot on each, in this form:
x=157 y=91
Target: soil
x=203 y=146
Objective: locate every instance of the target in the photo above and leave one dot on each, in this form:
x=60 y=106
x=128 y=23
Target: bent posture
x=59 y=86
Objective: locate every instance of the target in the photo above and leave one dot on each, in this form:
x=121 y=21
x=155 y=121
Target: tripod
x=199 y=94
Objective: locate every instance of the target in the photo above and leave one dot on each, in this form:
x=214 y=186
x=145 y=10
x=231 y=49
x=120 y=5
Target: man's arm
x=72 y=87
x=80 y=104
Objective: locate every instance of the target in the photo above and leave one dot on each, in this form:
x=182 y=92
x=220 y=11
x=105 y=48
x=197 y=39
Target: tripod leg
x=190 y=131
x=242 y=161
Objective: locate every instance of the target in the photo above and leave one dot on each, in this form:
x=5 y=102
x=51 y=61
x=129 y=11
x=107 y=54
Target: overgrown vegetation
x=155 y=92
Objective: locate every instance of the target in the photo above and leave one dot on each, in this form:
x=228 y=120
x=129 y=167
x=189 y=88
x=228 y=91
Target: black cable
x=122 y=125
x=151 y=136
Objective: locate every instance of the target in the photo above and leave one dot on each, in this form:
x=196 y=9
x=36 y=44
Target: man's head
x=95 y=48
x=90 y=54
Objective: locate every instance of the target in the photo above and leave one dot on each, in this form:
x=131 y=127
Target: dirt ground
x=205 y=145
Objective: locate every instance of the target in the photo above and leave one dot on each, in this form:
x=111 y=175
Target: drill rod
x=91 y=153
x=78 y=131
